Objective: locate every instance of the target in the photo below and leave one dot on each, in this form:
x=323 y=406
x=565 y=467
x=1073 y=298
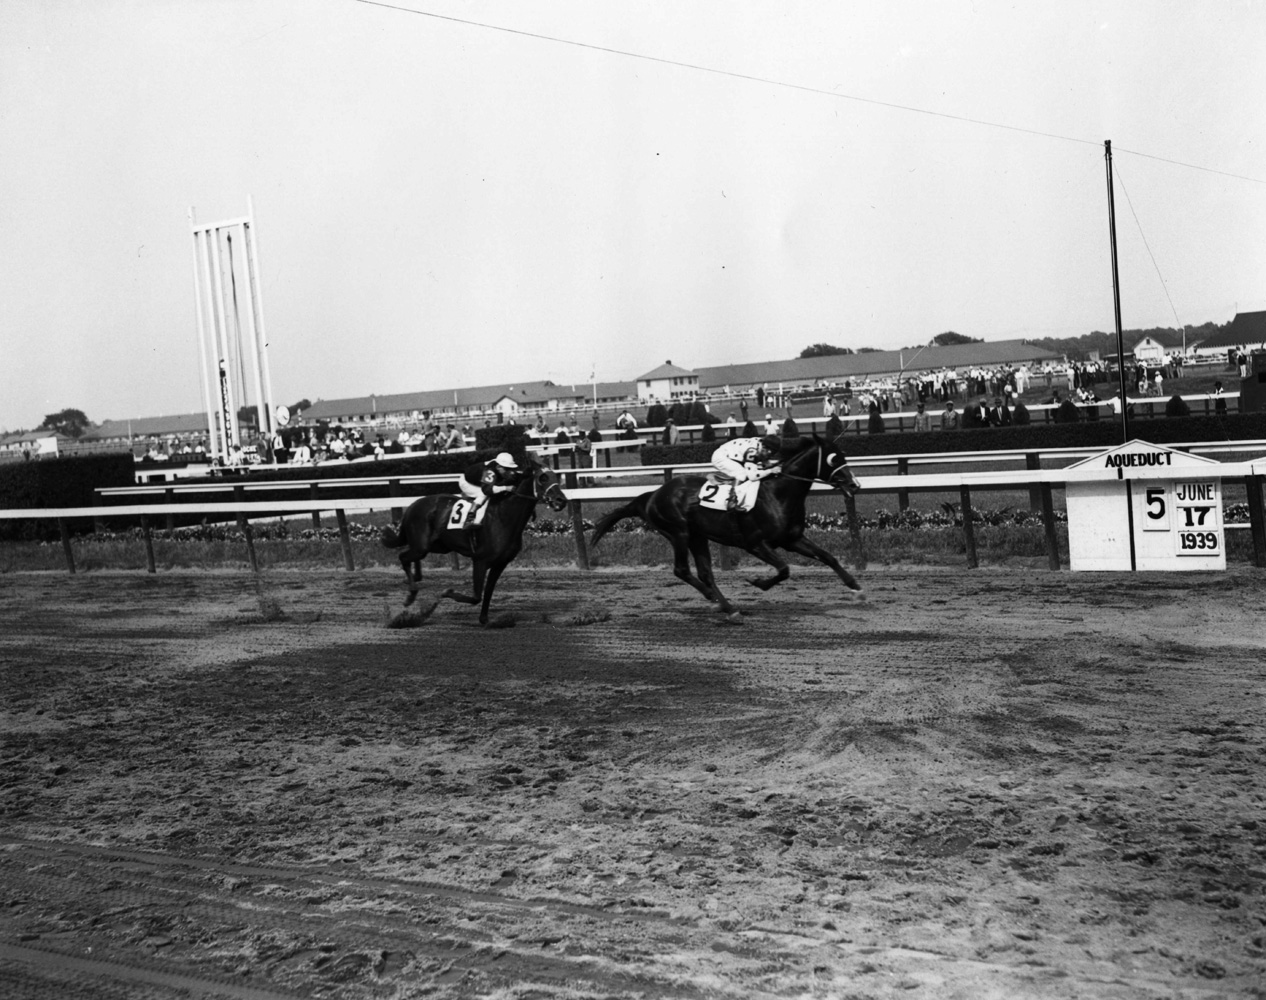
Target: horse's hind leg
x=807 y=548
x=682 y=547
x=412 y=565
x=765 y=553
x=702 y=552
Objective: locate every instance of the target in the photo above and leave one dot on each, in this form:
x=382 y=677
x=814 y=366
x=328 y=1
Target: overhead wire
x=1116 y=170
x=804 y=88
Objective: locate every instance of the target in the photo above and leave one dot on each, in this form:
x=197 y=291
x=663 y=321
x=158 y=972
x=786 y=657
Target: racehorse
x=429 y=526
x=776 y=521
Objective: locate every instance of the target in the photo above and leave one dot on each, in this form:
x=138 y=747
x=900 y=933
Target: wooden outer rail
x=1031 y=457
x=1045 y=481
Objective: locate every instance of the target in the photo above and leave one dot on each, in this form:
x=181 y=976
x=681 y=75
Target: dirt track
x=996 y=784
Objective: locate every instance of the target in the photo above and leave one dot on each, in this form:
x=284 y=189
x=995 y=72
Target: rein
x=817 y=476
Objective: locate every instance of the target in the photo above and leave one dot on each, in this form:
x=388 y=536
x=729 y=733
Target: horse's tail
x=634 y=508
x=391 y=537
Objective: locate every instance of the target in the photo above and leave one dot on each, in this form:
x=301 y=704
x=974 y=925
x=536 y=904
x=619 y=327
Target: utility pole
x=1116 y=293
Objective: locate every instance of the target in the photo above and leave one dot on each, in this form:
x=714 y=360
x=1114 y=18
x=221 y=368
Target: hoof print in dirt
x=586 y=614
x=412 y=619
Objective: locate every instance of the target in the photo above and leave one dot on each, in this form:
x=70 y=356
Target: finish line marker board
x=1154 y=509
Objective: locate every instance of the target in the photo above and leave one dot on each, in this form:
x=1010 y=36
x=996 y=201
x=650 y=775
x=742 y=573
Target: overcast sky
x=442 y=204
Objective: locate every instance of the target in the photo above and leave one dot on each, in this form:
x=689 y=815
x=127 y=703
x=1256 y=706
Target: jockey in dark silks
x=484 y=480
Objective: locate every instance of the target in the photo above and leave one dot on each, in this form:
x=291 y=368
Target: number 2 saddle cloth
x=715 y=494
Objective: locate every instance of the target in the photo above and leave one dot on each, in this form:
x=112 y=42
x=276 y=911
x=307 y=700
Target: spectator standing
x=1177 y=407
x=1020 y=414
x=874 y=420
x=950 y=419
x=671 y=434
x=922 y=419
x=1219 y=400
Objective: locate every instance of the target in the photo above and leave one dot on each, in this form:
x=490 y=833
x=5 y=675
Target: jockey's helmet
x=771 y=444
x=505 y=460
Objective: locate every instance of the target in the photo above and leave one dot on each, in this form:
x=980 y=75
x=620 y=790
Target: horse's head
x=546 y=486
x=834 y=468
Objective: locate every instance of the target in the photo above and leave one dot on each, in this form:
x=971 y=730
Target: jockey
x=744 y=459
x=482 y=480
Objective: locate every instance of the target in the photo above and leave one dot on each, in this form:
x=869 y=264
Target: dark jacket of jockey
x=493 y=476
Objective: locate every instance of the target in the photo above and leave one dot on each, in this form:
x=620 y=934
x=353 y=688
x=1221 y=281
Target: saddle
x=718 y=494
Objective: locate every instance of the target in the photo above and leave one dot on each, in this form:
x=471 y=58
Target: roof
x=443 y=399
x=181 y=423
x=22 y=437
x=666 y=370
x=838 y=367
x=1246 y=328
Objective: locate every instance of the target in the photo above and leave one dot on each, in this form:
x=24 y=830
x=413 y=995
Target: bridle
x=540 y=477
x=821 y=473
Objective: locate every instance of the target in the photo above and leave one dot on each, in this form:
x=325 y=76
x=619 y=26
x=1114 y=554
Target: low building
x=667 y=382
x=180 y=426
x=873 y=365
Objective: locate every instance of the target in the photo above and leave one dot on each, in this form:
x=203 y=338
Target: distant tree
x=824 y=350
x=868 y=350
x=300 y=406
x=949 y=338
x=69 y=422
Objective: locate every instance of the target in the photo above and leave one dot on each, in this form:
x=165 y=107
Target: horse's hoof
x=413 y=596
x=855 y=596
x=734 y=617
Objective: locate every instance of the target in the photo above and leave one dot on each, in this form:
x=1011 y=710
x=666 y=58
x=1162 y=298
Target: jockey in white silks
x=745 y=460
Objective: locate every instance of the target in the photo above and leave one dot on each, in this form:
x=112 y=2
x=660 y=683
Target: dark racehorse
x=776 y=522
x=426 y=528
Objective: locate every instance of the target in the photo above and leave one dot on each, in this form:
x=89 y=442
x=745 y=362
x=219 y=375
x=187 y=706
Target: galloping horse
x=427 y=526
x=777 y=520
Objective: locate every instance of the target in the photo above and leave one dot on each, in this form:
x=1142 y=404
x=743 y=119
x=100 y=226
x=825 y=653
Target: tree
x=949 y=338
x=69 y=422
x=824 y=350
x=868 y=350
x=299 y=407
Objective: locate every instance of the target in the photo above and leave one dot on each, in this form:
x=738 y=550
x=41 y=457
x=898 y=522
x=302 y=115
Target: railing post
x=344 y=538
x=149 y=545
x=903 y=496
x=578 y=526
x=1033 y=462
x=393 y=487
x=1257 y=519
x=1048 y=522
x=98 y=525
x=70 y=555
x=969 y=529
x=316 y=514
x=169 y=496
x=855 y=531
x=239 y=494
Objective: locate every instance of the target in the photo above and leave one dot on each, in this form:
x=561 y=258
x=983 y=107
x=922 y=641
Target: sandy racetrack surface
x=997 y=784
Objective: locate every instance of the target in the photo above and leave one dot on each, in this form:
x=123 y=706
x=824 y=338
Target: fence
x=1040 y=482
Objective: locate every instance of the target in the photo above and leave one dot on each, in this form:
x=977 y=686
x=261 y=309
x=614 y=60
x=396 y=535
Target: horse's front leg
x=480 y=568
x=807 y=548
x=765 y=553
x=494 y=573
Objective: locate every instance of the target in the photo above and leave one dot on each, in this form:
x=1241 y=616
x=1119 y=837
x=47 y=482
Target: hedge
x=1040 y=437
x=58 y=482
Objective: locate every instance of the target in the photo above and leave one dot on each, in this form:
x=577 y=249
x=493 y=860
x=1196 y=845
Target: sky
x=500 y=191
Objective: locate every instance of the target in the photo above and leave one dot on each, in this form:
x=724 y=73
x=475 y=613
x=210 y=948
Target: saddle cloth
x=461 y=506
x=715 y=494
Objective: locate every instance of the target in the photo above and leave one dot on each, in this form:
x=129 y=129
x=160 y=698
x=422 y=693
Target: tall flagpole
x=1116 y=292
